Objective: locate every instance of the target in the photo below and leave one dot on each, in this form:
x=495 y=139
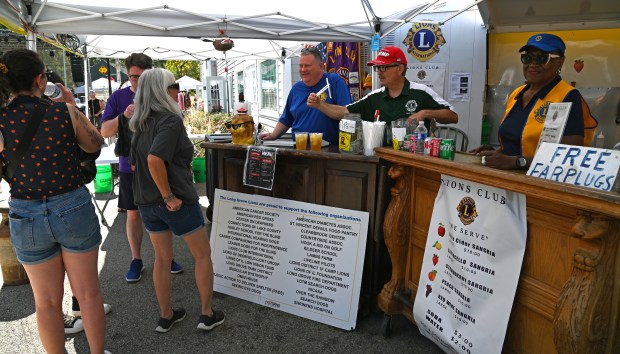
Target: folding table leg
x=103 y=221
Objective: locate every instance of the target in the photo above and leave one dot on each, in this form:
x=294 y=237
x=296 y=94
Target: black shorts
x=125 y=191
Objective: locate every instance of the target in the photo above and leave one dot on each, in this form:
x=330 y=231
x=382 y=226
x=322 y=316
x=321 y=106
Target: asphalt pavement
x=248 y=328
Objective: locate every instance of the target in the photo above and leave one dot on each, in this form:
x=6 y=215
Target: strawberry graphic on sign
x=578 y=65
x=435 y=259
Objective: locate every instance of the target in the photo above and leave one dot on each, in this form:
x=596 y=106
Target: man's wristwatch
x=521 y=162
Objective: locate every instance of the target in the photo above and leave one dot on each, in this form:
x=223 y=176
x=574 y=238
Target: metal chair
x=459 y=136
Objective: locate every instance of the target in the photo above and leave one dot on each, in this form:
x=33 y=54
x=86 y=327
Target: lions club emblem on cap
x=423 y=40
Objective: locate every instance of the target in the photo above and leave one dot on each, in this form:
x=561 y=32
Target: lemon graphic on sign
x=103 y=70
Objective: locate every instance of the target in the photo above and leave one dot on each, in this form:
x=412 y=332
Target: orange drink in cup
x=316 y=139
x=301 y=140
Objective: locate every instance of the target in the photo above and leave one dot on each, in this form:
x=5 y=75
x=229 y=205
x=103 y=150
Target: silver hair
x=152 y=96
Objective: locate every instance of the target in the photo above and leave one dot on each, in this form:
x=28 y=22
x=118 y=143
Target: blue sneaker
x=176 y=268
x=134 y=273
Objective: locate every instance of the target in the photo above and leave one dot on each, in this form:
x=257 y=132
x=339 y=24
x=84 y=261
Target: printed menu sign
x=260 y=166
x=555 y=122
x=471 y=266
x=301 y=258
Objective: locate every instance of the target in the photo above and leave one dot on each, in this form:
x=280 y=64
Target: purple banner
x=343 y=58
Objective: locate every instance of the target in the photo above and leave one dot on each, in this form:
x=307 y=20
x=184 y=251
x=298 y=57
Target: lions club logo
x=467 y=210
x=541 y=113
x=423 y=40
x=411 y=106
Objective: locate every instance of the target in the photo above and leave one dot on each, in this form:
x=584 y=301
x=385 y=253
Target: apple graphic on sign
x=441 y=230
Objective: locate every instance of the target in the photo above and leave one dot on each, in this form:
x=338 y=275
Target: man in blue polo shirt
x=297 y=115
x=397 y=98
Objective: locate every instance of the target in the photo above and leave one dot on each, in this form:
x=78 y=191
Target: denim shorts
x=40 y=228
x=157 y=218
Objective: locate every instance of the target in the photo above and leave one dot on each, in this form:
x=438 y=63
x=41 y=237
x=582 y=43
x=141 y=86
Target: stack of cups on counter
x=373 y=136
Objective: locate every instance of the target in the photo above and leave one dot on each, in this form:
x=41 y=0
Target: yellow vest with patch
x=536 y=119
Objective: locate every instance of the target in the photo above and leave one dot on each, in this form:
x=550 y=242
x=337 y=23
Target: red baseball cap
x=389 y=55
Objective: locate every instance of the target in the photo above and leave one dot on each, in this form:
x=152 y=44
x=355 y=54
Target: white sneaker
x=106 y=309
x=73 y=325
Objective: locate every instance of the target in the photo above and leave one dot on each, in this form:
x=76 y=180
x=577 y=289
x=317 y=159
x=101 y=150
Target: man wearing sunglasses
x=301 y=118
x=397 y=98
x=526 y=109
x=115 y=119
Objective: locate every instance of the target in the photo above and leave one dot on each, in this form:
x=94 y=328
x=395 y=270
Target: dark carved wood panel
x=294 y=179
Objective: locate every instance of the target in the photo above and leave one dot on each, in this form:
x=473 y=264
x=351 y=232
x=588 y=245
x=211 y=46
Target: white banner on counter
x=301 y=258
x=472 y=261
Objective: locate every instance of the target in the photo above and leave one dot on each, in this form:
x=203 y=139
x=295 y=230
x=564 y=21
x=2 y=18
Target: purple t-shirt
x=116 y=105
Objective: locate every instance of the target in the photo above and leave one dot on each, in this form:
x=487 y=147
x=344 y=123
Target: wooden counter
x=568 y=296
x=346 y=181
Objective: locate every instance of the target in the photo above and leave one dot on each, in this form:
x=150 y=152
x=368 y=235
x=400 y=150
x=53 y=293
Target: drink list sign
x=472 y=260
x=301 y=258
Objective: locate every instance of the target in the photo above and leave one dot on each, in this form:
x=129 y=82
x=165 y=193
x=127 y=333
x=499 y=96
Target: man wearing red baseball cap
x=397 y=98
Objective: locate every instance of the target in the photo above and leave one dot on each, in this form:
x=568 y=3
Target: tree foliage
x=180 y=68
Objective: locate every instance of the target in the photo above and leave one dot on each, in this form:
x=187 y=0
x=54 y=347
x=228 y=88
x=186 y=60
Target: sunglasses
x=48 y=75
x=383 y=68
x=235 y=126
x=538 y=59
x=134 y=77
x=175 y=86
x=314 y=51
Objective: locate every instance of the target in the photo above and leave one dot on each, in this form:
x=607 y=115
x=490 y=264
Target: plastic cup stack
x=373 y=136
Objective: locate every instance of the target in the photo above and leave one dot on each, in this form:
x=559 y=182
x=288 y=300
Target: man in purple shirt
x=115 y=118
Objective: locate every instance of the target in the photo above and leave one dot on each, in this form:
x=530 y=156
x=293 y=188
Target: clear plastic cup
x=301 y=140
x=316 y=139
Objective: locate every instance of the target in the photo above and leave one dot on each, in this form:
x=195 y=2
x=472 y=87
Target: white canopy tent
x=187 y=83
x=99 y=85
x=94 y=30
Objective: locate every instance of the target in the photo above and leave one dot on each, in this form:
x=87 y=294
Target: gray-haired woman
x=161 y=154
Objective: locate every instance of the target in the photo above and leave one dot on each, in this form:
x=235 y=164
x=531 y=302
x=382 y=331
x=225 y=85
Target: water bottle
x=600 y=140
x=52 y=91
x=420 y=134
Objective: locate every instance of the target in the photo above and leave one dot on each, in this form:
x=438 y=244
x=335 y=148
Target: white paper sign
x=577 y=165
x=430 y=74
x=300 y=258
x=471 y=266
x=460 y=86
x=555 y=122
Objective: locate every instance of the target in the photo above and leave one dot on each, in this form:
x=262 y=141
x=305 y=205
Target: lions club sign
x=423 y=40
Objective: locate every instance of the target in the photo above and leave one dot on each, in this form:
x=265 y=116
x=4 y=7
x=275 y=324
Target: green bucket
x=199 y=167
x=103 y=179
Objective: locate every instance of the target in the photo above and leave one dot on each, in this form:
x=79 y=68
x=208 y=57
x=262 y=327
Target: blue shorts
x=40 y=228
x=157 y=218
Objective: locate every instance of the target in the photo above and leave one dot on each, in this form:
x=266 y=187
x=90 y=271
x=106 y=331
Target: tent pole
x=107 y=64
x=86 y=80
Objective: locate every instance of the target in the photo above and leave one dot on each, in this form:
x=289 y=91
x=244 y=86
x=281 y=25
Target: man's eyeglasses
x=383 y=68
x=235 y=126
x=134 y=77
x=175 y=86
x=538 y=59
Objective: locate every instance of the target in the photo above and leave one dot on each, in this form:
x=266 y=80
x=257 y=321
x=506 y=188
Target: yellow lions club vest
x=536 y=119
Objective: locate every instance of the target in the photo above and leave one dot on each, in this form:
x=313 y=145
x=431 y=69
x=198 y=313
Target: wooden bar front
x=568 y=296
x=326 y=178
